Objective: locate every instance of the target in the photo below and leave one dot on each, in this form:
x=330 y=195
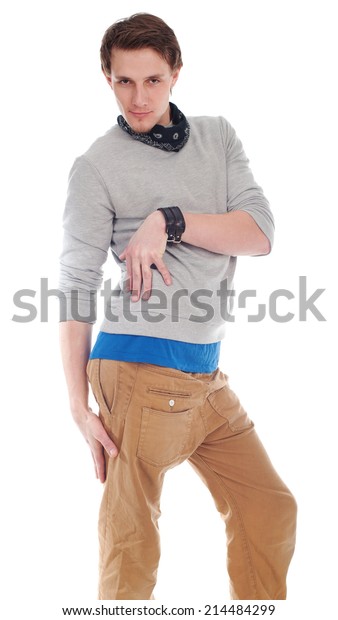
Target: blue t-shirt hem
x=185 y=356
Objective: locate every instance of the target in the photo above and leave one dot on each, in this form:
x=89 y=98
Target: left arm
x=235 y=233
x=245 y=228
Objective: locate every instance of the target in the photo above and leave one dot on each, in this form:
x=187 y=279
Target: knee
x=287 y=511
x=291 y=506
x=281 y=512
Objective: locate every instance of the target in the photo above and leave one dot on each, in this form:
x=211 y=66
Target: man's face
x=141 y=81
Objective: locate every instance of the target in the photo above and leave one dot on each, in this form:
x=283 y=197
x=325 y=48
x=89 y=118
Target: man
x=176 y=201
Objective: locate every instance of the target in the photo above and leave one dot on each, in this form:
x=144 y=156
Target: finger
x=123 y=255
x=136 y=280
x=100 y=465
x=99 y=458
x=164 y=271
x=147 y=282
x=100 y=435
x=126 y=285
x=95 y=467
x=107 y=443
x=129 y=285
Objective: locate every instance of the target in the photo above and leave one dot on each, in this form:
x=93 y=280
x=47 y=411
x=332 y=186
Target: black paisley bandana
x=172 y=138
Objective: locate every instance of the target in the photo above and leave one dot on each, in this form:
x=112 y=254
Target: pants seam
x=105 y=528
x=132 y=390
x=110 y=486
x=234 y=504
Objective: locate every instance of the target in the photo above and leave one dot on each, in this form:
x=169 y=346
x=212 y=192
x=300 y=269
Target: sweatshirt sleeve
x=88 y=228
x=243 y=192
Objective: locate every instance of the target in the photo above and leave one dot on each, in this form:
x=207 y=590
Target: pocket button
x=171 y=402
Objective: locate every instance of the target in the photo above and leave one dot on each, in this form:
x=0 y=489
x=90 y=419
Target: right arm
x=88 y=224
x=88 y=228
x=75 y=341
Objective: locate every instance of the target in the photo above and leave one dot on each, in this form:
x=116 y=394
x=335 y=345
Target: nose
x=140 y=97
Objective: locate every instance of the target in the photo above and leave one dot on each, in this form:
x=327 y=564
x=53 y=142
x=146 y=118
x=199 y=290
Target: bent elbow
x=264 y=246
x=267 y=247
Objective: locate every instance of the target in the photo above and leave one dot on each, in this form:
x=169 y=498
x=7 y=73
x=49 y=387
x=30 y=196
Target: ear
x=175 y=76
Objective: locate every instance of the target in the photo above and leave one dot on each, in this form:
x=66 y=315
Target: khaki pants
x=159 y=417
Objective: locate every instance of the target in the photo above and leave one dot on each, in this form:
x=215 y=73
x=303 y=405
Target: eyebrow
x=149 y=77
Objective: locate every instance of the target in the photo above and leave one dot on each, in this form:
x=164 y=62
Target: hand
x=98 y=439
x=146 y=247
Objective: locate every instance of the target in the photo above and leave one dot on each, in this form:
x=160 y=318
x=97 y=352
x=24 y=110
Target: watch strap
x=175 y=223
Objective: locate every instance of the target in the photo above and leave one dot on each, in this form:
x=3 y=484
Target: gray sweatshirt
x=114 y=186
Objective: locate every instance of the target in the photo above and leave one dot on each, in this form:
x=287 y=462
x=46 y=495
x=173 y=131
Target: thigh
x=232 y=459
x=258 y=509
x=112 y=385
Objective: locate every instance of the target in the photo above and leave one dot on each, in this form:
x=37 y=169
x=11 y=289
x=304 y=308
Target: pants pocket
x=103 y=377
x=164 y=436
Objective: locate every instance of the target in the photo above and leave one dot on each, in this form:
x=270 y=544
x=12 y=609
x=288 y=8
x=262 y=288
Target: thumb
x=107 y=443
x=110 y=447
x=123 y=255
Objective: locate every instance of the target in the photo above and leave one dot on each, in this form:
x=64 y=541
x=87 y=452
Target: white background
x=269 y=68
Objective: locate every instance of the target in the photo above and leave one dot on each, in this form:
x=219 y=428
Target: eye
x=154 y=81
x=124 y=82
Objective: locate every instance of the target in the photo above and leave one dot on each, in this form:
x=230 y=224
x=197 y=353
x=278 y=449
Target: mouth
x=139 y=114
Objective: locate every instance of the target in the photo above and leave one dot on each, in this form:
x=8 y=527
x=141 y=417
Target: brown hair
x=139 y=31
